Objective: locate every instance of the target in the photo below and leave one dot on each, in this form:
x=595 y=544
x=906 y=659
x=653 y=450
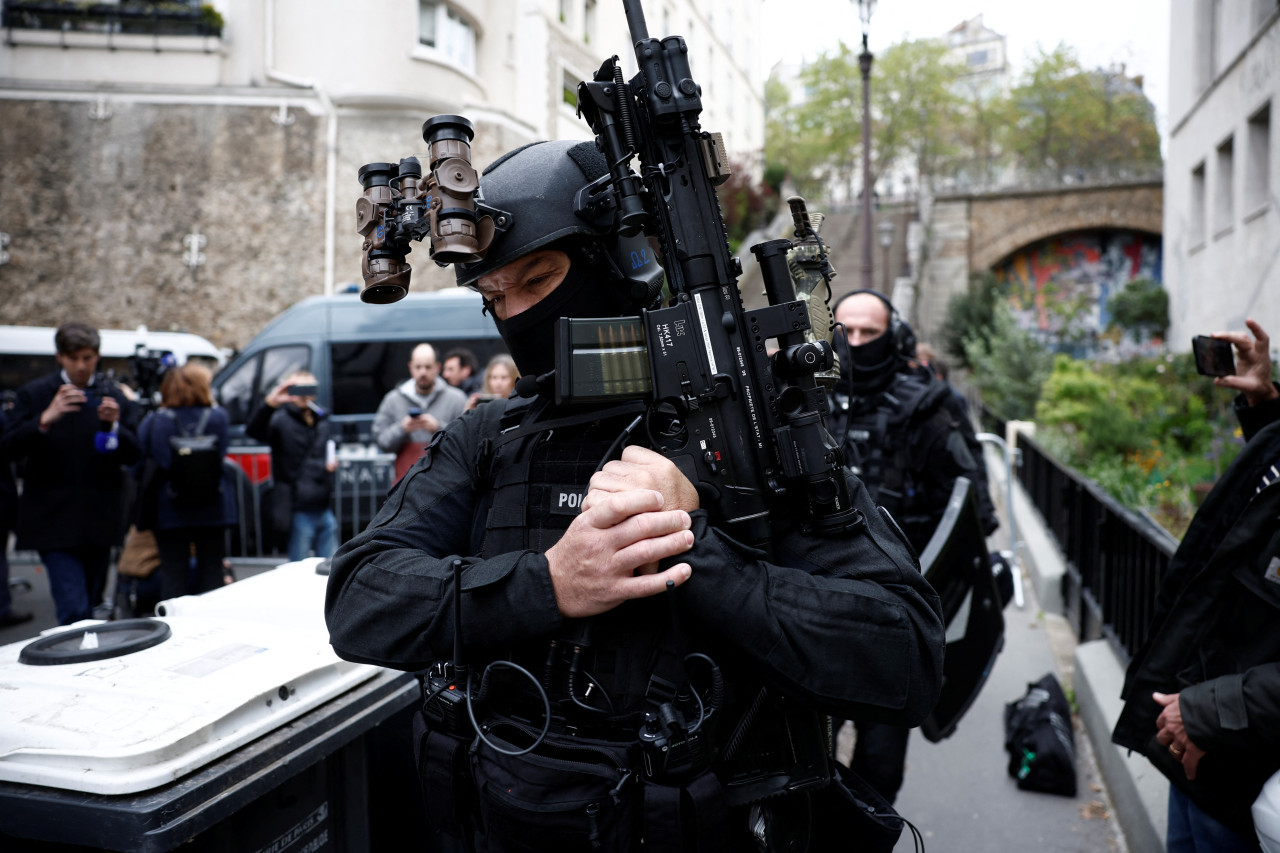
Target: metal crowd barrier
x=361 y=483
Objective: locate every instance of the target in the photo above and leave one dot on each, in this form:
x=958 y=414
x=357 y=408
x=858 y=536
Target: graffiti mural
x=1059 y=287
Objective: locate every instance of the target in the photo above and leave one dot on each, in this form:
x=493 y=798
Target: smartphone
x=414 y=412
x=303 y=390
x=1213 y=356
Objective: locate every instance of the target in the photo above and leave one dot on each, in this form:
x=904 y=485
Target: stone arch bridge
x=968 y=233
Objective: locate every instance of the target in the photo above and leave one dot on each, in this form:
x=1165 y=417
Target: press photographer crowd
x=647 y=557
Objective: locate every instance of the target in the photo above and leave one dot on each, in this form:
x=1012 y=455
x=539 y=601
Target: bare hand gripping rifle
x=746 y=427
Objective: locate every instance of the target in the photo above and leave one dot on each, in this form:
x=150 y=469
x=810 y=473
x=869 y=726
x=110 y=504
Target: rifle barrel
x=635 y=21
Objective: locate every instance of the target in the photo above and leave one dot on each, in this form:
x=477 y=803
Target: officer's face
x=865 y=318
x=523 y=283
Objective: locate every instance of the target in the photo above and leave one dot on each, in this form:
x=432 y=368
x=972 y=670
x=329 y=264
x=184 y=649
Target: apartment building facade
x=1221 y=219
x=204 y=176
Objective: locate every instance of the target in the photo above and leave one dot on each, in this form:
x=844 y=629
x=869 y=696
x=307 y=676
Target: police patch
x=565 y=499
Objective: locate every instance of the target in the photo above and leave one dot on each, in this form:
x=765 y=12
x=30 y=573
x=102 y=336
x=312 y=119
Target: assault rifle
x=747 y=428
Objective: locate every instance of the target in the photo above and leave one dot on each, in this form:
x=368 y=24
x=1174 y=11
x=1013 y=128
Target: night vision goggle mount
x=400 y=204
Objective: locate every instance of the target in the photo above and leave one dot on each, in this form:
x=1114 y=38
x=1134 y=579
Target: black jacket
x=846 y=623
x=297 y=452
x=1215 y=638
x=72 y=494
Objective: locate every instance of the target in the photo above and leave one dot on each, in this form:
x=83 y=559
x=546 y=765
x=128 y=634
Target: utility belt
x=771 y=786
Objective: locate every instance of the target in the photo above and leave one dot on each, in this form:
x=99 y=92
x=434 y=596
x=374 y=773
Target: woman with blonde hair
x=192 y=505
x=500 y=377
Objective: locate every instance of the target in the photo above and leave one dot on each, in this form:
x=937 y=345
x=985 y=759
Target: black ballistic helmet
x=532 y=193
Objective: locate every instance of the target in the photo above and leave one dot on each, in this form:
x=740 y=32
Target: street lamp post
x=886 y=240
x=865 y=8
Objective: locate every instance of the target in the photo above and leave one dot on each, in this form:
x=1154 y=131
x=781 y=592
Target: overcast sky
x=1103 y=32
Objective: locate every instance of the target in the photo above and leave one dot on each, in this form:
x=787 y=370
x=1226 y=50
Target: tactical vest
x=884 y=436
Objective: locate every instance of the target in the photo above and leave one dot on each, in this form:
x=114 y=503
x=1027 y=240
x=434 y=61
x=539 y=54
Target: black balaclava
x=590 y=289
x=870 y=366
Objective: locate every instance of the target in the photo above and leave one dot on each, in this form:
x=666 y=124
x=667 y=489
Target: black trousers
x=177 y=575
x=880 y=756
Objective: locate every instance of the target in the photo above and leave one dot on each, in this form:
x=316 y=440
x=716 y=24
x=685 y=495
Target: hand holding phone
x=1214 y=357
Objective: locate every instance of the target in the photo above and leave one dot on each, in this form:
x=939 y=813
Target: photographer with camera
x=75 y=430
x=637 y=675
x=1202 y=695
x=303 y=461
x=413 y=411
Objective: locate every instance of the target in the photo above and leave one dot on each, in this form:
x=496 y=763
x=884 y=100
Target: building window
x=1257 y=175
x=448 y=34
x=977 y=57
x=569 y=89
x=588 y=21
x=1224 y=184
x=1197 y=205
x=564 y=12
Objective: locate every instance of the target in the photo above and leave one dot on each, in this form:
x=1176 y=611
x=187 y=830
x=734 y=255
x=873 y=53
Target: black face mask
x=871 y=366
x=586 y=291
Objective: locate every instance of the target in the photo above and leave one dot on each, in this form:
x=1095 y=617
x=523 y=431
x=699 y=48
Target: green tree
x=970 y=316
x=914 y=109
x=1008 y=365
x=1067 y=118
x=1140 y=306
x=916 y=106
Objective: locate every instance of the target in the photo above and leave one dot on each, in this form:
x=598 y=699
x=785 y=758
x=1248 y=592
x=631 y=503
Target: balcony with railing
x=149 y=19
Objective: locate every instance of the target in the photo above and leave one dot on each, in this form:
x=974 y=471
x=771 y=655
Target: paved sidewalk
x=958 y=792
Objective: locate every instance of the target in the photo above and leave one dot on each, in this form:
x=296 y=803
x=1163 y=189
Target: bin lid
x=240 y=662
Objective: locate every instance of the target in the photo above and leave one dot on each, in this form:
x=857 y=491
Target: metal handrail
x=1012 y=459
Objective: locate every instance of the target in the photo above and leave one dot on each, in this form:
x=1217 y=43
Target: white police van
x=27 y=352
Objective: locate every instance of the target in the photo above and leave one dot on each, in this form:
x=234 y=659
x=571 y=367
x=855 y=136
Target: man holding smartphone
x=412 y=412
x=302 y=466
x=1202 y=696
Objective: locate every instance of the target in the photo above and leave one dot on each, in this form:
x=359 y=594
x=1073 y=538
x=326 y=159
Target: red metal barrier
x=255 y=461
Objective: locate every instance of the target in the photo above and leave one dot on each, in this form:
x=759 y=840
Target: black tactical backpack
x=195 y=464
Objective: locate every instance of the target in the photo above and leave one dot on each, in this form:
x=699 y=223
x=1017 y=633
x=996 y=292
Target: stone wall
x=97 y=211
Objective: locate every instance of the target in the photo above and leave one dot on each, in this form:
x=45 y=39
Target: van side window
x=279 y=362
x=236 y=391
x=242 y=390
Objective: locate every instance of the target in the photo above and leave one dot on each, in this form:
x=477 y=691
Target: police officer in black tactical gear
x=900 y=436
x=634 y=675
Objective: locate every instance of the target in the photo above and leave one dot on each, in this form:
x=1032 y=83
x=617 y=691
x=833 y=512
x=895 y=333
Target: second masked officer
x=672 y=681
